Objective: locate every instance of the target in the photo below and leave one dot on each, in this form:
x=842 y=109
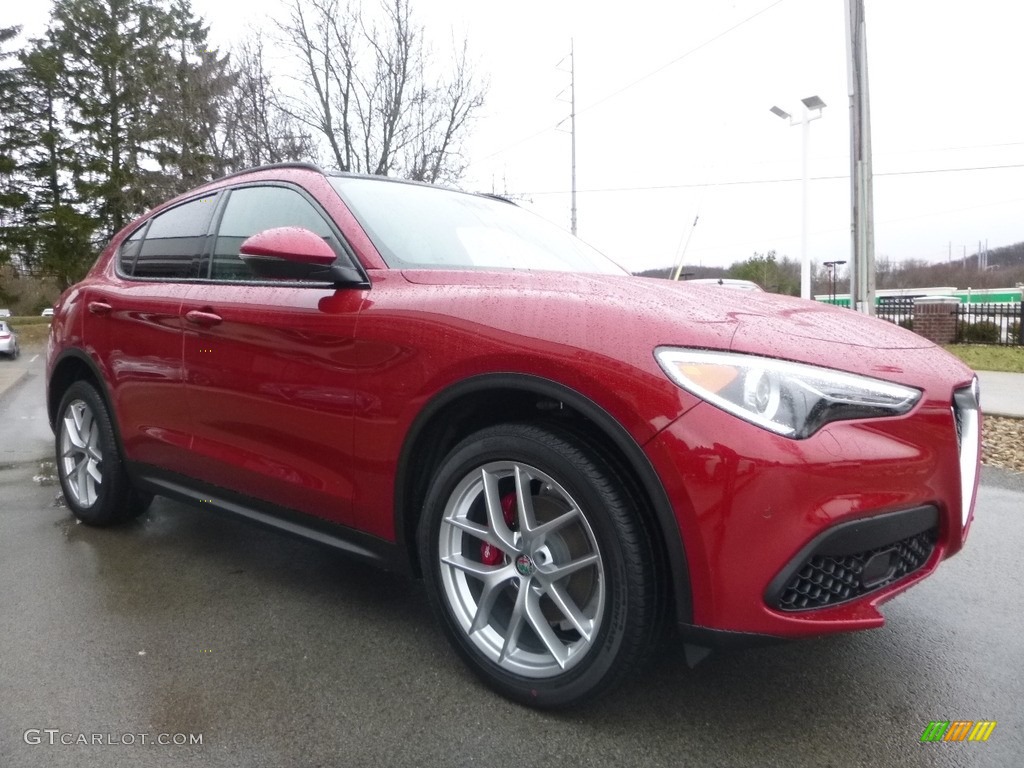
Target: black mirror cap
x=338 y=275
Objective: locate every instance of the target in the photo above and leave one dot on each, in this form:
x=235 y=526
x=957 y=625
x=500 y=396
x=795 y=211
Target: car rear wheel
x=537 y=565
x=92 y=475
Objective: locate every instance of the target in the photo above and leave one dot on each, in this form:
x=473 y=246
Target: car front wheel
x=538 y=565
x=92 y=475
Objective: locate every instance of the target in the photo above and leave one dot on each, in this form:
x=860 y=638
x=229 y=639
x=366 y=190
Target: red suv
x=570 y=456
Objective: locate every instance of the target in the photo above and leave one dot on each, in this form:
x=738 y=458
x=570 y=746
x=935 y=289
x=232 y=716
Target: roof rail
x=271 y=166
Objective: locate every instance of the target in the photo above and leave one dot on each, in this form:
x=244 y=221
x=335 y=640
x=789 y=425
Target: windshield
x=416 y=226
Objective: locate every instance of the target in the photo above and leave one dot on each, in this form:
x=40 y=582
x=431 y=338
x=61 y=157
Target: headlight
x=790 y=399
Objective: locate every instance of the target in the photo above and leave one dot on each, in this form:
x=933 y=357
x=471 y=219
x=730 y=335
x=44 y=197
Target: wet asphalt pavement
x=277 y=653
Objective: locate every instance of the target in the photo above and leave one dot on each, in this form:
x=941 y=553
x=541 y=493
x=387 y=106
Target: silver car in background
x=8 y=340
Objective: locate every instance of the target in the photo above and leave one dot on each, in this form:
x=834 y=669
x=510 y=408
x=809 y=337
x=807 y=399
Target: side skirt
x=370 y=549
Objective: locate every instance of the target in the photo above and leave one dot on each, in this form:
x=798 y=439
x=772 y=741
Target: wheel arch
x=74 y=365
x=489 y=399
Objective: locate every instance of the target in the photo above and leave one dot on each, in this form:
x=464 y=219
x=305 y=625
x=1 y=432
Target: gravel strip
x=1002 y=443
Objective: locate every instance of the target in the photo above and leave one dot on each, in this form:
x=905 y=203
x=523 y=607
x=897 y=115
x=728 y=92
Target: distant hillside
x=1008 y=256
x=1005 y=270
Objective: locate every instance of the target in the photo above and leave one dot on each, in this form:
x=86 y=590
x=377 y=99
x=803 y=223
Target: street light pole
x=812 y=108
x=832 y=269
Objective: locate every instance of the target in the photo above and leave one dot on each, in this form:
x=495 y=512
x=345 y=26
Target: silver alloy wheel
x=80 y=453
x=537 y=610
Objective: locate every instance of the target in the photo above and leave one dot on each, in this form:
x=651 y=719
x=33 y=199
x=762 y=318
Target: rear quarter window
x=173 y=245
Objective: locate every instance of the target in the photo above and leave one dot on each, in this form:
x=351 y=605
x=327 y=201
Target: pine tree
x=193 y=95
x=11 y=196
x=114 y=58
x=56 y=234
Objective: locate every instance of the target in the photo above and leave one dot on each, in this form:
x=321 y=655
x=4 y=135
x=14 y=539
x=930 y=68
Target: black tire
x=540 y=634
x=92 y=474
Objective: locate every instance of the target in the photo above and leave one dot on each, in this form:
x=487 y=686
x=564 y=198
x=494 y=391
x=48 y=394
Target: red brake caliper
x=489 y=554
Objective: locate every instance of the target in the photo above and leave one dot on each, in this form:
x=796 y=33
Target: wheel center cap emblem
x=525 y=565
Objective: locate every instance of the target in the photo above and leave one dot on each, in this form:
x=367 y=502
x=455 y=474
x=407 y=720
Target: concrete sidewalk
x=1002 y=394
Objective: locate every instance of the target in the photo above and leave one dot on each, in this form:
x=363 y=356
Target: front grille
x=826 y=580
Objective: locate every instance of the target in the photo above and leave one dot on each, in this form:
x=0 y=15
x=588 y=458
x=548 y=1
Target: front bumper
x=787 y=538
x=854 y=559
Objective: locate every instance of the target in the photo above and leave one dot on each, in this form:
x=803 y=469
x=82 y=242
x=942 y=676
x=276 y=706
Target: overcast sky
x=673 y=120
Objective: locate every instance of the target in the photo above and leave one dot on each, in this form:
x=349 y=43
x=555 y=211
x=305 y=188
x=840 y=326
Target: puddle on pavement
x=47 y=474
x=69 y=527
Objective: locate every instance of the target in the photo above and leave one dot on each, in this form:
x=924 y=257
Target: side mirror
x=295 y=253
x=292 y=244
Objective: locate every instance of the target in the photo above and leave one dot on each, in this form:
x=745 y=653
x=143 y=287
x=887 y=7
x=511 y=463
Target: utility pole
x=572 y=127
x=862 y=229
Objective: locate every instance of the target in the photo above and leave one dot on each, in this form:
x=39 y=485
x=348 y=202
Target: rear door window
x=174 y=244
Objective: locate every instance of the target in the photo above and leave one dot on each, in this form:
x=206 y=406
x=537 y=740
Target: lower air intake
x=826 y=580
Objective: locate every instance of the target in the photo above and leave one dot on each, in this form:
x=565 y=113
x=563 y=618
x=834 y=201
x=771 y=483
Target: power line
x=952 y=170
x=919 y=150
x=677 y=59
x=624 y=88
x=833 y=230
x=745 y=182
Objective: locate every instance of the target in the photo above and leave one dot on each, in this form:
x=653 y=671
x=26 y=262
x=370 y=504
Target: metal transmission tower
x=862 y=227
x=572 y=125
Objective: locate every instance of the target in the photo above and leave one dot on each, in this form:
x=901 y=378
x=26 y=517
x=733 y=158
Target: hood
x=698 y=315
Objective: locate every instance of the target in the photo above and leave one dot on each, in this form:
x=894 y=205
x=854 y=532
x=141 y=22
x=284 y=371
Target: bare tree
x=256 y=130
x=370 y=89
x=442 y=117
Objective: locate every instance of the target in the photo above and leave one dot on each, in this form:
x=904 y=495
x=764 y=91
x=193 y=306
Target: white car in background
x=729 y=282
x=48 y=312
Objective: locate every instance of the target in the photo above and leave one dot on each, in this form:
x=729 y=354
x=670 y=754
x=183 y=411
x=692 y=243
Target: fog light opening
x=880 y=568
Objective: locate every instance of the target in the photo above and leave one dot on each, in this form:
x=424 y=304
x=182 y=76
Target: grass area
x=32 y=331
x=987 y=357
x=22 y=321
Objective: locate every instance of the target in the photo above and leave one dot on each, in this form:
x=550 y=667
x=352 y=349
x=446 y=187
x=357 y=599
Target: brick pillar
x=935 y=318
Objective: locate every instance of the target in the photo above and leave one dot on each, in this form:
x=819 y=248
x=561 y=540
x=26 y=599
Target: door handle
x=100 y=308
x=205 y=319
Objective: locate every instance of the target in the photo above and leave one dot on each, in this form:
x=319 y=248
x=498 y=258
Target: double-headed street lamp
x=832 y=267
x=813 y=107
